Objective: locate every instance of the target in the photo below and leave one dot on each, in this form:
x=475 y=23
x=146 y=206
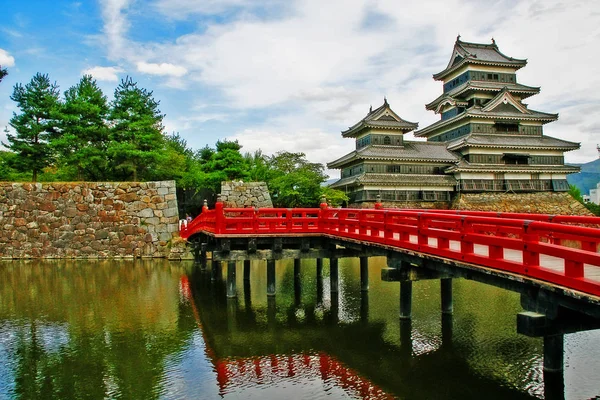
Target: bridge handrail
x=512 y=242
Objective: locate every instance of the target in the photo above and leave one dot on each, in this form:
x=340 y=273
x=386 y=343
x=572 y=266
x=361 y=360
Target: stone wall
x=245 y=194
x=552 y=203
x=87 y=220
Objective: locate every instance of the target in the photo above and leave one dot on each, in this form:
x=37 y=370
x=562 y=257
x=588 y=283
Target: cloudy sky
x=291 y=74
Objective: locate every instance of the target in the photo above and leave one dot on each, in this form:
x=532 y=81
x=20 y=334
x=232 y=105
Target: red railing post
x=219 y=216
x=531 y=258
x=466 y=245
x=422 y=238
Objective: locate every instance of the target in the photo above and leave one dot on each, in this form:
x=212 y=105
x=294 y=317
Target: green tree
x=38 y=102
x=226 y=164
x=136 y=138
x=295 y=182
x=3 y=73
x=84 y=133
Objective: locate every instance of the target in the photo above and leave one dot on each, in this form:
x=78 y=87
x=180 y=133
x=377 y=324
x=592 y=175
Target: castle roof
x=502 y=107
x=382 y=118
x=464 y=166
x=411 y=151
x=515 y=142
x=483 y=86
x=478 y=54
x=396 y=180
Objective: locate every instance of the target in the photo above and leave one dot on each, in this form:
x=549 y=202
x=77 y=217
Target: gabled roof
x=383 y=118
x=484 y=86
x=505 y=98
x=501 y=111
x=516 y=142
x=411 y=151
x=478 y=53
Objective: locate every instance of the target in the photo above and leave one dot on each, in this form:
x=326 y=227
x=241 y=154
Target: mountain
x=587 y=178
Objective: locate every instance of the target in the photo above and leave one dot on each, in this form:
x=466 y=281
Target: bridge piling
x=216 y=273
x=271 y=277
x=553 y=353
x=297 y=283
x=364 y=274
x=405 y=300
x=333 y=275
x=246 y=270
x=231 y=284
x=406 y=344
x=446 y=295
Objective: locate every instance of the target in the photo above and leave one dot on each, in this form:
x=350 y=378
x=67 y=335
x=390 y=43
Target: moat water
x=164 y=330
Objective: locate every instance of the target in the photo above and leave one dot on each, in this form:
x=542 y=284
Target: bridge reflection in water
x=352 y=338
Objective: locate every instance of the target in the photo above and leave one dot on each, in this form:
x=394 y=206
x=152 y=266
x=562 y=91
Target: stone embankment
x=245 y=194
x=553 y=203
x=88 y=220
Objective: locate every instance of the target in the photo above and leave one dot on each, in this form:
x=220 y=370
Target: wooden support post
x=553 y=353
x=246 y=270
x=364 y=307
x=271 y=277
x=216 y=274
x=364 y=274
x=333 y=275
x=406 y=337
x=271 y=312
x=406 y=300
x=231 y=284
x=554 y=385
x=231 y=314
x=319 y=281
x=447 y=328
x=297 y=284
x=446 y=294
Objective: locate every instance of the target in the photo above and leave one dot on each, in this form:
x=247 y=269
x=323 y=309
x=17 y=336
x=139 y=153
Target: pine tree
x=136 y=138
x=35 y=125
x=84 y=132
x=3 y=73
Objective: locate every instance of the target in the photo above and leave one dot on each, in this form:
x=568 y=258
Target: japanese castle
x=487 y=139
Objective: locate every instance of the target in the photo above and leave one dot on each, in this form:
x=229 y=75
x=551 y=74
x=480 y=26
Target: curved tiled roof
x=477 y=53
x=396 y=180
x=411 y=151
x=488 y=86
x=383 y=117
x=477 y=112
x=464 y=166
x=513 y=142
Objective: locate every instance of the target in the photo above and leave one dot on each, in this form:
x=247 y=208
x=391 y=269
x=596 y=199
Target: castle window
x=501 y=127
x=387 y=140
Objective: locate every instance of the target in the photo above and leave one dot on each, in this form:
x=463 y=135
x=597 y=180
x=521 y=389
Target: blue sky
x=291 y=74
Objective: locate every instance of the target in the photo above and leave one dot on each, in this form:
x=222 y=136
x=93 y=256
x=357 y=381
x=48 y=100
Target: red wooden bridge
x=558 y=249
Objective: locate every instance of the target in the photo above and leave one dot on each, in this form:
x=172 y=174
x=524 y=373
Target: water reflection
x=149 y=330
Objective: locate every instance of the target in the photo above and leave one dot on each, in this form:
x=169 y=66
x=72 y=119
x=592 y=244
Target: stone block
x=146 y=213
x=151 y=221
x=171 y=212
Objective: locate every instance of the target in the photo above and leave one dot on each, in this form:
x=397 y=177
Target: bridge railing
x=526 y=244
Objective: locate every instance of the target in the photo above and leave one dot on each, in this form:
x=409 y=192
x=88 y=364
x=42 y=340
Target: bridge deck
x=562 y=250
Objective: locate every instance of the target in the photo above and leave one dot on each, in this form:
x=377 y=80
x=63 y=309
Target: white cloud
x=183 y=9
x=116 y=26
x=108 y=74
x=317 y=68
x=6 y=60
x=161 y=69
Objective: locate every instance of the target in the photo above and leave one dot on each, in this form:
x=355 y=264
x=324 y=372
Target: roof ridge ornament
x=493 y=42
x=385 y=103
